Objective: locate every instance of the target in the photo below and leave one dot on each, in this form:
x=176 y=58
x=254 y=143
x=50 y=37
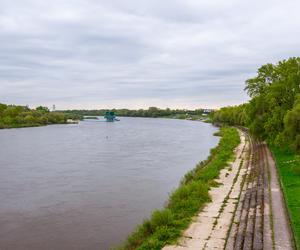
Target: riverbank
x=16 y=116
x=209 y=228
x=151 y=112
x=165 y=226
x=247 y=211
x=32 y=125
x=241 y=204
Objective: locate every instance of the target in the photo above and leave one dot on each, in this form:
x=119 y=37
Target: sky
x=140 y=53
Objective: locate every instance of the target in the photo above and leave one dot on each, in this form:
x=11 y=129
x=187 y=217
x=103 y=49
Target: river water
x=87 y=186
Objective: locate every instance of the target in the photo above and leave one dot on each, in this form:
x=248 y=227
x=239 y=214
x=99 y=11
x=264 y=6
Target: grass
x=289 y=170
x=165 y=226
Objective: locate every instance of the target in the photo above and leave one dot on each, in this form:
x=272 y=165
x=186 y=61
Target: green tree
x=42 y=109
x=29 y=119
x=292 y=126
x=21 y=116
x=272 y=113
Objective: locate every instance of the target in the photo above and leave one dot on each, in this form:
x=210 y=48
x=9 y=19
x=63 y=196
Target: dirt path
x=247 y=209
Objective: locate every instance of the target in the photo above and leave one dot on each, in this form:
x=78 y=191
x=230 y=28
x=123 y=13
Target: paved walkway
x=247 y=209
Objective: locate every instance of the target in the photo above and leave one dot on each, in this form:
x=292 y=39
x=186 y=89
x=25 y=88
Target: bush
x=161 y=218
x=12 y=116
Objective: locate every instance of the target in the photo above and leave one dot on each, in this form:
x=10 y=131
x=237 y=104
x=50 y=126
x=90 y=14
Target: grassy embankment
x=289 y=170
x=165 y=226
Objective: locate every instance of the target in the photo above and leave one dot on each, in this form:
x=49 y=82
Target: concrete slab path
x=247 y=210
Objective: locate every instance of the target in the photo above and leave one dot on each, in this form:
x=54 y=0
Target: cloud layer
x=138 y=53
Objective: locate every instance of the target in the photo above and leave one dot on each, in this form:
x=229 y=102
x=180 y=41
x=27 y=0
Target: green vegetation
x=166 y=225
x=12 y=116
x=273 y=113
x=150 y=112
x=289 y=170
x=91 y=117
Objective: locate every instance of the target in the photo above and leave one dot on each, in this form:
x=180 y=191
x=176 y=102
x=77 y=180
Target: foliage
x=289 y=170
x=91 y=117
x=166 y=225
x=231 y=115
x=72 y=116
x=291 y=130
x=13 y=116
x=273 y=113
x=150 y=112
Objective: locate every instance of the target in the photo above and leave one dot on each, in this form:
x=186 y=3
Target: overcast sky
x=140 y=53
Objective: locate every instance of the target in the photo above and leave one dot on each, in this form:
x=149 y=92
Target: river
x=87 y=185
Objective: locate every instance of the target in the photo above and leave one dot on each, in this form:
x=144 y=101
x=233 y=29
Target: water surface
x=86 y=186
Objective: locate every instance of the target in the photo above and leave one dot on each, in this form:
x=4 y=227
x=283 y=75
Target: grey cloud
x=138 y=53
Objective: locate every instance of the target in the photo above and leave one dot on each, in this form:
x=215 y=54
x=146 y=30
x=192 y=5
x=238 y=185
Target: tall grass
x=288 y=165
x=165 y=226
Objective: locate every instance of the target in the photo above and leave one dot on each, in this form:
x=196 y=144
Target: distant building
x=207 y=111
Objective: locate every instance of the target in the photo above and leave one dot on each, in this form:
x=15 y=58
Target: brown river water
x=87 y=186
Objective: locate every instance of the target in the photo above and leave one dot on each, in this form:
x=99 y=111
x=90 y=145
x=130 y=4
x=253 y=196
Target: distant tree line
x=13 y=116
x=273 y=113
x=150 y=112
